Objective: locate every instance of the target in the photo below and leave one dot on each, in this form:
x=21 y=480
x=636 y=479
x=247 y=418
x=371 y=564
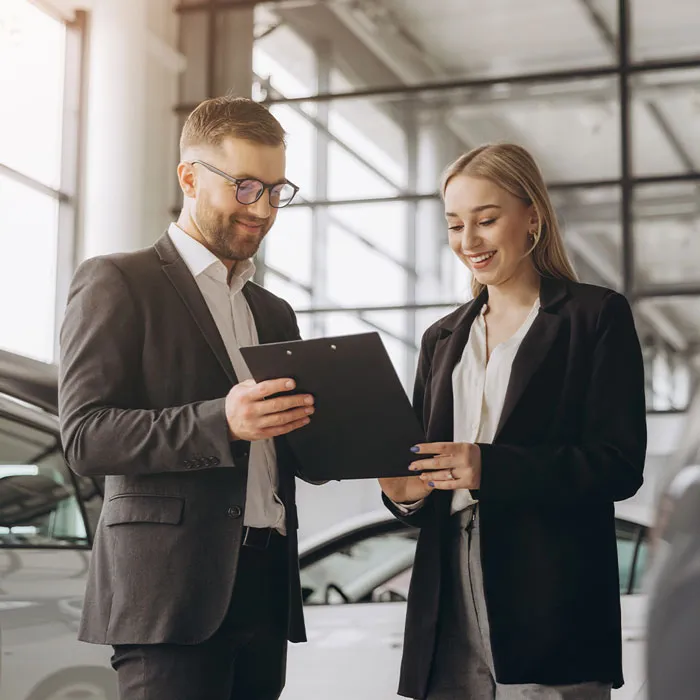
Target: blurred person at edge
x=532 y=399
x=194 y=578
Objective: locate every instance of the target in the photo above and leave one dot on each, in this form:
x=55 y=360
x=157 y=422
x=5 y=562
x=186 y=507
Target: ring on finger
x=451 y=475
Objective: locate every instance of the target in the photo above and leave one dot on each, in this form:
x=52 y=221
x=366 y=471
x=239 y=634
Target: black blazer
x=571 y=441
x=143 y=377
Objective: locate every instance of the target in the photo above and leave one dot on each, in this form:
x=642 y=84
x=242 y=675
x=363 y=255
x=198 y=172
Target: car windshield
x=38 y=505
x=355 y=568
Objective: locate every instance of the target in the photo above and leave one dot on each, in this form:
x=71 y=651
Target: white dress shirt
x=234 y=319
x=479 y=385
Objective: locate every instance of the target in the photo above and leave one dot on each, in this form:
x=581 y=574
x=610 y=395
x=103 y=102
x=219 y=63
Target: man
x=194 y=576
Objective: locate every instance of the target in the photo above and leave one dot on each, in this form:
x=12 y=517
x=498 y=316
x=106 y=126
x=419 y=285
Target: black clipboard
x=364 y=425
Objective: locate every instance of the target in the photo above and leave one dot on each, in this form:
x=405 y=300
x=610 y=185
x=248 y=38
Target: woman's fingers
x=435 y=448
x=433 y=463
x=441 y=475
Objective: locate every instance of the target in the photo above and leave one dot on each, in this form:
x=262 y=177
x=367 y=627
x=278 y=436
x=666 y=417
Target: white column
x=114 y=186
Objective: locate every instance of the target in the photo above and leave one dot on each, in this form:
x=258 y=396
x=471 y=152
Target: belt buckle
x=257 y=538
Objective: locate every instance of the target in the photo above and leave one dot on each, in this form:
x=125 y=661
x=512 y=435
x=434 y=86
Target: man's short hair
x=219 y=118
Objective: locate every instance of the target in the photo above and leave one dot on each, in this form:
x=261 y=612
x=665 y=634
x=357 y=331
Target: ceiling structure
x=572 y=125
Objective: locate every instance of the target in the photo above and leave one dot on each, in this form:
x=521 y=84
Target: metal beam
x=552 y=187
x=388 y=307
x=627 y=192
x=610 y=273
x=323 y=128
x=320 y=217
x=608 y=37
x=671 y=137
x=667 y=290
x=284 y=276
x=227 y=5
x=403 y=91
x=33 y=184
x=374 y=248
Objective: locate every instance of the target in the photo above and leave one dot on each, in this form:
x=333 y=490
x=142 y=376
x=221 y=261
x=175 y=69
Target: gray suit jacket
x=143 y=376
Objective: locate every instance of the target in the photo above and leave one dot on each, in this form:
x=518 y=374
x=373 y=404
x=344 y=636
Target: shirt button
x=234 y=512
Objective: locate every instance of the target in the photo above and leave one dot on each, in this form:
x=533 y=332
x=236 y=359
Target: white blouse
x=479 y=388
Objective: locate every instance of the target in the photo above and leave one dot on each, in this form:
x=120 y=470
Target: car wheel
x=78 y=684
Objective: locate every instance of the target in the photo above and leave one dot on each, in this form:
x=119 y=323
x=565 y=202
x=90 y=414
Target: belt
x=258 y=537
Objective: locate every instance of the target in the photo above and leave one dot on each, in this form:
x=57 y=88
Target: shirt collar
x=535 y=307
x=201 y=261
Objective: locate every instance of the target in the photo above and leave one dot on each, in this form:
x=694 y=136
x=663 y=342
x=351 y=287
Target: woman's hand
x=456 y=465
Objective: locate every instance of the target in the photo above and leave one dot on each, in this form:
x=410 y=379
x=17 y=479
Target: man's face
x=231 y=230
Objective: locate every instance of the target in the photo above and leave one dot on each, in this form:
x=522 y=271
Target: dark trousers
x=246 y=657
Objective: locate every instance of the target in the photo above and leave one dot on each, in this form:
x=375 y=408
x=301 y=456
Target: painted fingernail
x=431 y=484
x=415 y=448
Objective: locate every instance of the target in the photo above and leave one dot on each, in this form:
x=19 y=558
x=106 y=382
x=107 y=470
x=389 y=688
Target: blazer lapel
x=448 y=352
x=534 y=347
x=181 y=278
x=266 y=334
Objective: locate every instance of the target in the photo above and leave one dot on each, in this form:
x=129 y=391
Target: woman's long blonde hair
x=513 y=169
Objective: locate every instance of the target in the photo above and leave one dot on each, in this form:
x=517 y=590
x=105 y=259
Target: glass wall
x=365 y=246
x=35 y=206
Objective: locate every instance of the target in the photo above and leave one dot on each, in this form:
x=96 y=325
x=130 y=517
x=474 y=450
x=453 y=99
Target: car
x=355 y=576
x=674 y=576
x=355 y=580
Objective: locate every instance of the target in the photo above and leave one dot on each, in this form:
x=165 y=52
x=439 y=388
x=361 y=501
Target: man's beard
x=221 y=237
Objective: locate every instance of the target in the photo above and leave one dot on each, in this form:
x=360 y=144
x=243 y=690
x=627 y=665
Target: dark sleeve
x=418 y=517
x=100 y=370
x=294 y=333
x=607 y=463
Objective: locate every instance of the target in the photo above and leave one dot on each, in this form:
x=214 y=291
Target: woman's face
x=488 y=228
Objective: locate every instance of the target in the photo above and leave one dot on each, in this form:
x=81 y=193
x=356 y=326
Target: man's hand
x=251 y=415
x=405 y=489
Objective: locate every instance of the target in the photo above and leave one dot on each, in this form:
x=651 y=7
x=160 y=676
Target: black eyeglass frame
x=237 y=181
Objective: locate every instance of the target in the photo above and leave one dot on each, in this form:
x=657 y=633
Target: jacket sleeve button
x=234 y=512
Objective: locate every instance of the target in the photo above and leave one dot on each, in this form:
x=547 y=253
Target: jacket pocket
x=143 y=508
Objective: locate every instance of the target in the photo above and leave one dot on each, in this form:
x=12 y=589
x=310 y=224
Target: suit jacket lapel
x=266 y=334
x=534 y=347
x=180 y=276
x=448 y=352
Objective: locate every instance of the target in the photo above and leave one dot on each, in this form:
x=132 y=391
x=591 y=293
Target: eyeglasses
x=249 y=190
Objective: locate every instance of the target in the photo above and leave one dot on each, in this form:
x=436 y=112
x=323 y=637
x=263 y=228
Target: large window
x=613 y=134
x=36 y=182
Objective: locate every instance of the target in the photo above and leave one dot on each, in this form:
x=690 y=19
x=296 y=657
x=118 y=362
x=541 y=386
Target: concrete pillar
x=233 y=71
x=218 y=49
x=114 y=186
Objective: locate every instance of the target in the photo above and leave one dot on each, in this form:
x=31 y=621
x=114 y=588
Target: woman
x=532 y=399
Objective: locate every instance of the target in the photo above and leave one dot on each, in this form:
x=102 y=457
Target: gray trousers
x=463 y=665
